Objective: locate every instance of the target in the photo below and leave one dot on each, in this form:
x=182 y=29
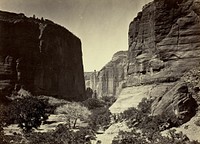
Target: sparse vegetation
x=109 y=100
x=31 y=112
x=100 y=118
x=62 y=135
x=93 y=103
x=146 y=129
x=135 y=137
x=73 y=112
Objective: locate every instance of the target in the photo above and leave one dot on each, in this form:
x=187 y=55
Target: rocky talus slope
x=39 y=56
x=164 y=45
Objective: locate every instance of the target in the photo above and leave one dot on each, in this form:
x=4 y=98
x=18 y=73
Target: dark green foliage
x=89 y=92
x=135 y=137
x=12 y=139
x=129 y=138
x=62 y=135
x=28 y=112
x=93 y=103
x=100 y=118
x=145 y=105
x=4 y=118
x=149 y=126
x=109 y=100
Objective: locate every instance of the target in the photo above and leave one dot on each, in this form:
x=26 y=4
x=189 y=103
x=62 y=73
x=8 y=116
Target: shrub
x=89 y=92
x=108 y=100
x=135 y=137
x=62 y=135
x=73 y=111
x=149 y=126
x=28 y=112
x=93 y=103
x=100 y=117
x=145 y=105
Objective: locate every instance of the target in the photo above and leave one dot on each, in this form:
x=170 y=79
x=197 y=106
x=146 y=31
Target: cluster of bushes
x=109 y=100
x=61 y=135
x=93 y=103
x=100 y=117
x=146 y=128
x=28 y=113
x=135 y=137
x=31 y=112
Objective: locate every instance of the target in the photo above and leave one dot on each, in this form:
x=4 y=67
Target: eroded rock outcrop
x=40 y=56
x=177 y=103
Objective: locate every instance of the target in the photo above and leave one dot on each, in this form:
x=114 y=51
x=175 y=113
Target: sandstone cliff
x=109 y=80
x=164 y=44
x=164 y=41
x=39 y=56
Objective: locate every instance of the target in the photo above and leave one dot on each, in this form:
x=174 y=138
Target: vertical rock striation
x=110 y=79
x=40 y=56
x=112 y=76
x=164 y=45
x=164 y=41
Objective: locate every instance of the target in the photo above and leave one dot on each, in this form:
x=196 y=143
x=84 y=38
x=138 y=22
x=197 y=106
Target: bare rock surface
x=109 y=80
x=164 y=41
x=164 y=45
x=40 y=56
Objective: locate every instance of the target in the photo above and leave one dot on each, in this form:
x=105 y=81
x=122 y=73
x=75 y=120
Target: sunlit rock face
x=164 y=41
x=164 y=44
x=112 y=76
x=110 y=79
x=40 y=56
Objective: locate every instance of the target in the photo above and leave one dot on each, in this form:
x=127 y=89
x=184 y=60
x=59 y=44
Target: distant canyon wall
x=40 y=56
x=110 y=79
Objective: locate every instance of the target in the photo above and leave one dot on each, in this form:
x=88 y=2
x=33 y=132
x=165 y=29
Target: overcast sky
x=102 y=25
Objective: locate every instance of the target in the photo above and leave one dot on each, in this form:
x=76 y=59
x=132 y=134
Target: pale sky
x=102 y=25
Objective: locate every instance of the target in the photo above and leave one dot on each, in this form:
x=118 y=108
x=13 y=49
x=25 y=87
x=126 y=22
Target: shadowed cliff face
x=41 y=56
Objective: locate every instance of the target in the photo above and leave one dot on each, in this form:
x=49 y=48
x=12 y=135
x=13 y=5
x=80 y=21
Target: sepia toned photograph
x=99 y=71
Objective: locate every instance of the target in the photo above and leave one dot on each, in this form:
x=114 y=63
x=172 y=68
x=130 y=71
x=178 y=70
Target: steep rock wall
x=164 y=41
x=109 y=80
x=40 y=56
x=164 y=44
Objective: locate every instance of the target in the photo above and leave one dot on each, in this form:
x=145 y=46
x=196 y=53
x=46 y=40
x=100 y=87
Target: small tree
x=73 y=111
x=29 y=112
x=89 y=92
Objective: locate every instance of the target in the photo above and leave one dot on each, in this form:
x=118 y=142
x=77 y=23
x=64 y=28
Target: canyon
x=162 y=62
